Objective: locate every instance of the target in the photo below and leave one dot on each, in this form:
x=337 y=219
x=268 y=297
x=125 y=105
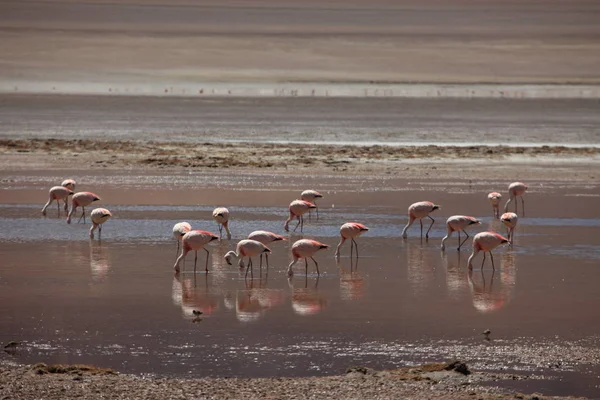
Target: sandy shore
x=434 y=381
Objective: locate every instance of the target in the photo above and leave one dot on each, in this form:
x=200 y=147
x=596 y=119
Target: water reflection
x=99 y=261
x=421 y=265
x=352 y=284
x=492 y=290
x=253 y=302
x=456 y=276
x=194 y=294
x=306 y=300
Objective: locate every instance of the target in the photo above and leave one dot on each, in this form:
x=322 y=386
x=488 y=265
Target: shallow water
x=115 y=302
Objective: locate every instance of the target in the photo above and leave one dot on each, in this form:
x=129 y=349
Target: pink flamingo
x=458 y=223
x=486 y=242
x=194 y=240
x=57 y=193
x=221 y=216
x=247 y=248
x=350 y=230
x=297 y=209
x=99 y=216
x=180 y=229
x=69 y=184
x=82 y=199
x=516 y=189
x=311 y=196
x=265 y=237
x=509 y=220
x=305 y=248
x=419 y=211
x=494 y=199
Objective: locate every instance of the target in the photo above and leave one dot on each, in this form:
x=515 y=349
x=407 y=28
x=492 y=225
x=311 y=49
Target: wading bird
x=509 y=220
x=350 y=231
x=419 y=211
x=305 y=248
x=57 y=193
x=265 y=237
x=194 y=240
x=311 y=196
x=82 y=199
x=180 y=229
x=494 y=199
x=516 y=189
x=246 y=248
x=297 y=209
x=221 y=216
x=458 y=223
x=99 y=216
x=486 y=242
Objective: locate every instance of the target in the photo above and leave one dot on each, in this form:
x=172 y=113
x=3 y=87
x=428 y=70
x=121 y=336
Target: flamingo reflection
x=192 y=296
x=456 y=278
x=352 y=284
x=305 y=300
x=492 y=290
x=253 y=302
x=421 y=266
x=99 y=261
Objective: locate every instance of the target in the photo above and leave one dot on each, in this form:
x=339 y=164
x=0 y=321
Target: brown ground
x=411 y=161
x=433 y=381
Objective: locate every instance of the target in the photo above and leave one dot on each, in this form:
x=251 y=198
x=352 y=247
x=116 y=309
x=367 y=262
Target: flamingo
x=221 y=216
x=458 y=223
x=419 y=211
x=297 y=209
x=99 y=216
x=516 y=189
x=305 y=248
x=350 y=230
x=180 y=229
x=194 y=240
x=486 y=242
x=509 y=220
x=81 y=199
x=494 y=199
x=57 y=193
x=311 y=196
x=69 y=184
x=265 y=237
x=247 y=248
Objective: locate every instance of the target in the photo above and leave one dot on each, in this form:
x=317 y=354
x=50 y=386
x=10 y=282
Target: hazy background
x=300 y=41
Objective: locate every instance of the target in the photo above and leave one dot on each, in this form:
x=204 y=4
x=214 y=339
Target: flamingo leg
x=220 y=230
x=298 y=224
x=99 y=231
x=463 y=242
x=58 y=207
x=492 y=256
x=177 y=248
x=267 y=258
x=317 y=266
x=523 y=204
x=458 y=241
x=67 y=204
x=432 y=222
x=260 y=265
x=206 y=266
x=301 y=223
x=483 y=262
x=82 y=215
x=195 y=260
x=355 y=247
x=306 y=266
x=421 y=222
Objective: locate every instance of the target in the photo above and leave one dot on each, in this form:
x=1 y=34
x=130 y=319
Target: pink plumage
x=486 y=242
x=305 y=248
x=195 y=240
x=81 y=199
x=350 y=230
x=458 y=223
x=297 y=209
x=419 y=211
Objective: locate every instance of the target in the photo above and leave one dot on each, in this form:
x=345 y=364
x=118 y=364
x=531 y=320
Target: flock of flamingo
x=257 y=241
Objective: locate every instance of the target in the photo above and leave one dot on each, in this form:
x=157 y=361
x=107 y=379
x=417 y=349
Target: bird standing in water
x=350 y=231
x=247 y=248
x=221 y=216
x=57 y=193
x=265 y=237
x=180 y=229
x=297 y=209
x=311 y=196
x=82 y=199
x=458 y=223
x=194 y=240
x=419 y=211
x=494 y=199
x=510 y=220
x=305 y=248
x=516 y=189
x=99 y=216
x=486 y=242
